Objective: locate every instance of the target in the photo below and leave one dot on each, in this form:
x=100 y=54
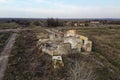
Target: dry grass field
x=28 y=63
x=106 y=42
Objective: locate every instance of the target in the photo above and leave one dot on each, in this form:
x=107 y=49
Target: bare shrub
x=81 y=71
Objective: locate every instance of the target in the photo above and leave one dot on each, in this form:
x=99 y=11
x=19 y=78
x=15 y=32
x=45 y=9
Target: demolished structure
x=78 y=41
x=64 y=43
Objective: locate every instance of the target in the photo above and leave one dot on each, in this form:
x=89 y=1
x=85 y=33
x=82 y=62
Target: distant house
x=82 y=24
x=94 y=22
x=68 y=23
x=76 y=24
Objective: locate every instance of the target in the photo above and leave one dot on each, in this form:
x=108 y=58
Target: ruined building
x=59 y=44
x=79 y=42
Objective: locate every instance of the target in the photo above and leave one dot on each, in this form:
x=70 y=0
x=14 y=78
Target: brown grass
x=28 y=63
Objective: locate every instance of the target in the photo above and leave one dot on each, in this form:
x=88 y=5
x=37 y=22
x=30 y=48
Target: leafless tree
x=81 y=71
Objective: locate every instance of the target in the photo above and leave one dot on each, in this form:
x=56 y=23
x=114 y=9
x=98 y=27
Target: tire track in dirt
x=5 y=54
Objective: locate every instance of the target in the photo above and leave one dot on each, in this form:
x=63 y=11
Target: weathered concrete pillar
x=84 y=40
x=88 y=46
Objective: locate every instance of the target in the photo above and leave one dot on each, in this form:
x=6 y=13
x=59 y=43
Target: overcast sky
x=60 y=8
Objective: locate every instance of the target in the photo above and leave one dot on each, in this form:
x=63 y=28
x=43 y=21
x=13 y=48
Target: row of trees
x=50 y=22
x=54 y=22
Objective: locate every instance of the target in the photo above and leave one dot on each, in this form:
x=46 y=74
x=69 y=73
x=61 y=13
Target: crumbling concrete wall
x=64 y=48
x=70 y=33
x=88 y=46
x=57 y=61
x=72 y=41
x=83 y=40
x=79 y=47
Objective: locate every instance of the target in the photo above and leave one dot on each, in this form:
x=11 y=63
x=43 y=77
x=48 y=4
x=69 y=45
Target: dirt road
x=5 y=54
x=12 y=30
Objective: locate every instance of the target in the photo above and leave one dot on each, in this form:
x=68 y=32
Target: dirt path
x=12 y=30
x=5 y=54
x=53 y=32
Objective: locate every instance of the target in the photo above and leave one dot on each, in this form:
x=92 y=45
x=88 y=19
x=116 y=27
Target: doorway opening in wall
x=83 y=41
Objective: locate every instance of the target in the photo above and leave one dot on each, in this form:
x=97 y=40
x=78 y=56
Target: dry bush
x=81 y=71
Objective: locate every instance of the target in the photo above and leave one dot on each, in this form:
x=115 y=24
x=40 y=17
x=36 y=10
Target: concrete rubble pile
x=58 y=44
